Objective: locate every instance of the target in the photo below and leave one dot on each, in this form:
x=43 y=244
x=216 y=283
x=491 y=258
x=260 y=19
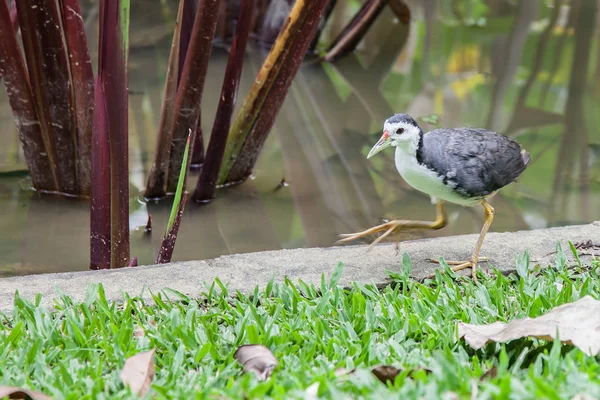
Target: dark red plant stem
x=168 y=244
x=197 y=159
x=190 y=8
x=157 y=179
x=112 y=69
x=83 y=87
x=207 y=183
x=353 y=33
x=14 y=18
x=100 y=189
x=148 y=228
x=244 y=163
x=189 y=93
x=322 y=23
x=20 y=97
x=401 y=10
x=48 y=68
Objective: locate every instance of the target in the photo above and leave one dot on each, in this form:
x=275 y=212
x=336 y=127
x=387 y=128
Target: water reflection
x=525 y=70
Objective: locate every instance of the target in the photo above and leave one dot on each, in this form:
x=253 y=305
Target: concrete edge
x=244 y=272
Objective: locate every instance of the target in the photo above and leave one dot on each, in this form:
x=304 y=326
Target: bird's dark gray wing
x=476 y=162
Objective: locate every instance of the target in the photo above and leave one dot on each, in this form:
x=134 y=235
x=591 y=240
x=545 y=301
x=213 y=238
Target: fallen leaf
x=13 y=392
x=312 y=392
x=490 y=374
x=138 y=372
x=576 y=323
x=138 y=331
x=386 y=373
x=256 y=358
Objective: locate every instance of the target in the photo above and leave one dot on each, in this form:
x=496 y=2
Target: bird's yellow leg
x=398 y=224
x=474 y=260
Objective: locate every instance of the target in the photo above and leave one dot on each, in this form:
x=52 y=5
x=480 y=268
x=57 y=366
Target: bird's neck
x=411 y=148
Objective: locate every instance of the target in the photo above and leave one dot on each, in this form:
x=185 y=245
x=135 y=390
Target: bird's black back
x=476 y=162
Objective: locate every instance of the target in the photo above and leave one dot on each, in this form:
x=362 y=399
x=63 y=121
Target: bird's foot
x=460 y=265
x=388 y=228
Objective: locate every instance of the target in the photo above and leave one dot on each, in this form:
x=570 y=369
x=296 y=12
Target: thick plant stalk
x=185 y=26
x=112 y=70
x=157 y=180
x=322 y=23
x=191 y=85
x=198 y=150
x=353 y=33
x=100 y=230
x=401 y=10
x=258 y=112
x=207 y=183
x=48 y=68
x=20 y=97
x=83 y=88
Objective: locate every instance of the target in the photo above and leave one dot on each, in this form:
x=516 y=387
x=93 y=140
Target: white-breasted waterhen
x=464 y=166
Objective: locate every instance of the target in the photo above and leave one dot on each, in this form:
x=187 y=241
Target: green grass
x=78 y=350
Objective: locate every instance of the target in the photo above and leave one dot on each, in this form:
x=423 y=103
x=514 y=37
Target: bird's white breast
x=426 y=180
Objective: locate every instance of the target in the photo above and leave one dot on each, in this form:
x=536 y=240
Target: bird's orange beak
x=383 y=143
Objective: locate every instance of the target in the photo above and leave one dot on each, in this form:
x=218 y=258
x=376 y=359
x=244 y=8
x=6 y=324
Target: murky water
x=529 y=70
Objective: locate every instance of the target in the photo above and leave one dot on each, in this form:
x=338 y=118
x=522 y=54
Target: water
x=515 y=69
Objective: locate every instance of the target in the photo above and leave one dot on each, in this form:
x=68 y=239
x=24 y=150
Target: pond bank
x=244 y=271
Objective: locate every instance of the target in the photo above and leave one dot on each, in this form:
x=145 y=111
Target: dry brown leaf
x=386 y=373
x=13 y=392
x=138 y=331
x=256 y=358
x=492 y=373
x=138 y=372
x=576 y=323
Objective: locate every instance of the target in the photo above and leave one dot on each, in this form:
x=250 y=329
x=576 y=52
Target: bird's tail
x=525 y=156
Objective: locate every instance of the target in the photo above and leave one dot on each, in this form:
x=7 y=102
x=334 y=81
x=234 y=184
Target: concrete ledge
x=244 y=271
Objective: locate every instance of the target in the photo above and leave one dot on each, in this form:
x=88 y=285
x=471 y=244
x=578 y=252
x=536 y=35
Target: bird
x=464 y=166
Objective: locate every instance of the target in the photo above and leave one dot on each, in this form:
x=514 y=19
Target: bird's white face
x=395 y=134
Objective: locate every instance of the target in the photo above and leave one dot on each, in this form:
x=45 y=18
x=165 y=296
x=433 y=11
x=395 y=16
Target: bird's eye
x=400 y=131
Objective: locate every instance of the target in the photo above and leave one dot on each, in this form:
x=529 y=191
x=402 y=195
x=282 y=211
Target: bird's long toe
x=460 y=265
x=348 y=237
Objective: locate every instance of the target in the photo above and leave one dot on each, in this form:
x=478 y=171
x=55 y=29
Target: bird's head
x=397 y=129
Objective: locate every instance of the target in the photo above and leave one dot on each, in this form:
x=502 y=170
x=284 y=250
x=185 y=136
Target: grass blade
x=100 y=235
x=20 y=97
x=168 y=243
x=112 y=69
x=353 y=33
x=189 y=93
x=48 y=68
x=207 y=183
x=260 y=107
x=82 y=77
x=157 y=180
x=180 y=184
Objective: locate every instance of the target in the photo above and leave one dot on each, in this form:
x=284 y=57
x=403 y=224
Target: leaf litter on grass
x=256 y=358
x=138 y=372
x=576 y=323
x=13 y=392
